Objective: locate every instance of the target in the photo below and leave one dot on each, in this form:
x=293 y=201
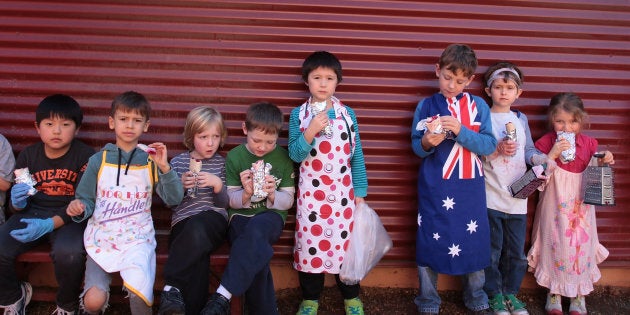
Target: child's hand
x=560 y=145
x=247 y=180
x=75 y=208
x=318 y=123
x=430 y=140
x=451 y=123
x=608 y=158
x=160 y=157
x=205 y=179
x=507 y=147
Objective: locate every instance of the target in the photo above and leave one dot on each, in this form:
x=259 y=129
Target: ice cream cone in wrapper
x=195 y=165
x=510 y=131
x=23 y=176
x=567 y=155
x=146 y=148
x=260 y=169
x=318 y=107
x=434 y=125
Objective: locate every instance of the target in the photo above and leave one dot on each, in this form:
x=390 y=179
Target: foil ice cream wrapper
x=260 y=169
x=434 y=125
x=510 y=131
x=567 y=155
x=316 y=108
x=195 y=167
x=23 y=176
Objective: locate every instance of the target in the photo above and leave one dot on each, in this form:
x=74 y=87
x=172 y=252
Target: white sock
x=168 y=288
x=223 y=291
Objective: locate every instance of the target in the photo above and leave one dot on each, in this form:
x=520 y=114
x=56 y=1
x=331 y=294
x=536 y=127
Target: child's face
x=258 y=142
x=503 y=94
x=56 y=134
x=207 y=142
x=322 y=83
x=128 y=127
x=452 y=84
x=563 y=121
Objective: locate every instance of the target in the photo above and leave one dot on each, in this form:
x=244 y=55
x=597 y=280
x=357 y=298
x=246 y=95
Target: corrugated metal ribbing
x=229 y=54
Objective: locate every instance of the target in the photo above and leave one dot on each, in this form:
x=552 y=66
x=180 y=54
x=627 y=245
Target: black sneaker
x=172 y=303
x=217 y=305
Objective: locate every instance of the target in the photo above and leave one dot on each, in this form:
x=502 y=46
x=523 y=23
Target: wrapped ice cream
x=318 y=107
x=567 y=155
x=260 y=169
x=23 y=176
x=195 y=167
x=146 y=148
x=434 y=125
x=510 y=131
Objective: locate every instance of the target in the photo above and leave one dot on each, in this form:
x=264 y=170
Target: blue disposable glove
x=35 y=228
x=19 y=195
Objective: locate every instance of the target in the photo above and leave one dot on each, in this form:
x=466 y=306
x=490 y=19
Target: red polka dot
x=346 y=148
x=347 y=214
x=319 y=195
x=345 y=245
x=351 y=193
x=324 y=245
x=316 y=262
x=317 y=165
x=325 y=211
x=317 y=230
x=347 y=181
x=326 y=179
x=324 y=147
x=296 y=257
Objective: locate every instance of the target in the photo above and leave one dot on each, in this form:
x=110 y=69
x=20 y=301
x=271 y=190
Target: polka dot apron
x=325 y=203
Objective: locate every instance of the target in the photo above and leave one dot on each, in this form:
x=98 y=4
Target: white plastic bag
x=369 y=241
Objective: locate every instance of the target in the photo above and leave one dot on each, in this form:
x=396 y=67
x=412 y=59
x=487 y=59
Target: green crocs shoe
x=308 y=307
x=516 y=306
x=497 y=304
x=353 y=307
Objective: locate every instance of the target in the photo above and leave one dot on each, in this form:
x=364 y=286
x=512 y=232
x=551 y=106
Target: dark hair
x=505 y=75
x=264 y=116
x=568 y=102
x=131 y=101
x=61 y=106
x=459 y=57
x=321 y=59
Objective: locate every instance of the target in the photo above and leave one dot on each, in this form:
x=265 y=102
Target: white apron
x=325 y=203
x=120 y=235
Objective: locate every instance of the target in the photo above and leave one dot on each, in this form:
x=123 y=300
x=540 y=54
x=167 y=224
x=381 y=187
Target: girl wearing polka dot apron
x=324 y=139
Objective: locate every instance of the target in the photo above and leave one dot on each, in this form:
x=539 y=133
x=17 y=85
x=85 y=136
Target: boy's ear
x=146 y=125
x=437 y=70
x=488 y=91
x=472 y=77
x=110 y=120
x=244 y=128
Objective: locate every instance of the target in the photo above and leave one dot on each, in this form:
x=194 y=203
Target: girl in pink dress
x=565 y=248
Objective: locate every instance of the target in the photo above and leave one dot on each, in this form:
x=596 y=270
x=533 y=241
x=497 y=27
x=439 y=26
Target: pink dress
x=565 y=248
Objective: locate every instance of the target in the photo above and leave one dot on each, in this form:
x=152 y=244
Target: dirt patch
x=396 y=301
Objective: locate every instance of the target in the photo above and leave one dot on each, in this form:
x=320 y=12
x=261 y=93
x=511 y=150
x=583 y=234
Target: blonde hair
x=568 y=102
x=198 y=120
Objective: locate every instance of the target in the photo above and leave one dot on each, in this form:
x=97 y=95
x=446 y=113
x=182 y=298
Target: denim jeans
x=428 y=299
x=508 y=261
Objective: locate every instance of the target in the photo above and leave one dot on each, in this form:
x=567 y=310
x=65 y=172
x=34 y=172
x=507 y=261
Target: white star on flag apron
x=325 y=203
x=120 y=236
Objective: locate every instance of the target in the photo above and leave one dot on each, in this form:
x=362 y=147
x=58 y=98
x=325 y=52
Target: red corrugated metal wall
x=228 y=54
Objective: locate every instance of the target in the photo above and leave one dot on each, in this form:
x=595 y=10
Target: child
x=56 y=164
x=115 y=194
x=327 y=187
x=565 y=248
x=259 y=200
x=451 y=129
x=7 y=165
x=199 y=223
x=507 y=215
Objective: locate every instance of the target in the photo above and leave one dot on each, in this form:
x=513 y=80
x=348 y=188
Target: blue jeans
x=429 y=301
x=248 y=268
x=508 y=262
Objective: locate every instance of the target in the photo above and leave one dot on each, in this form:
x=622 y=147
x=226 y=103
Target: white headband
x=497 y=72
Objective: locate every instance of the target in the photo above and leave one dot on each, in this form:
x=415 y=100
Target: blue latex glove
x=35 y=228
x=19 y=195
